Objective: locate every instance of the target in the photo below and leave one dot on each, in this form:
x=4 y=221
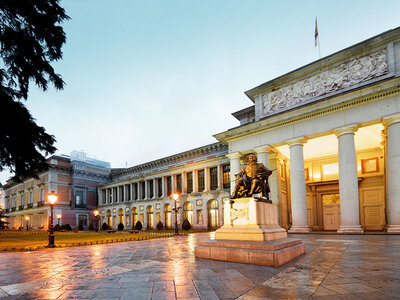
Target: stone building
x=74 y=178
x=143 y=193
x=331 y=132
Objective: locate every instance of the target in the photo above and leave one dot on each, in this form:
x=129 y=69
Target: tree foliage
x=31 y=38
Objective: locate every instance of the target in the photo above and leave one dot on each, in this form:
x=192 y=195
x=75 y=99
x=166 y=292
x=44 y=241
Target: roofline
x=327 y=60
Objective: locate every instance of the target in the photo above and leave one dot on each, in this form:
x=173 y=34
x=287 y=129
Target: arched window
x=120 y=216
x=212 y=211
x=134 y=216
x=167 y=216
x=188 y=212
x=109 y=217
x=149 y=211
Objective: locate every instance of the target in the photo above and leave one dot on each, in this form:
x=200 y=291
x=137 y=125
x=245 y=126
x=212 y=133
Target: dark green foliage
x=160 y=226
x=91 y=226
x=104 y=226
x=80 y=227
x=138 y=225
x=57 y=227
x=121 y=226
x=68 y=227
x=30 y=39
x=186 y=225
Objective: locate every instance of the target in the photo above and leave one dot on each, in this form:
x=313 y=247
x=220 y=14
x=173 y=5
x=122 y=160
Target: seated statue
x=253 y=179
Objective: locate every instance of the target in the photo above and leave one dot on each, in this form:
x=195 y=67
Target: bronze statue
x=253 y=179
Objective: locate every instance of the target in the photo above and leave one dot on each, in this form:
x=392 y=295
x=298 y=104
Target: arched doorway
x=134 y=216
x=120 y=216
x=149 y=213
x=212 y=213
x=188 y=212
x=108 y=217
x=167 y=216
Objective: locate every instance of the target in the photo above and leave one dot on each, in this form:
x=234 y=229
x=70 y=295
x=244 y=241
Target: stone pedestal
x=251 y=234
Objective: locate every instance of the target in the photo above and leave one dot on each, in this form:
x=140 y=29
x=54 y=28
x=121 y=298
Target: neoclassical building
x=331 y=132
x=143 y=193
x=74 y=178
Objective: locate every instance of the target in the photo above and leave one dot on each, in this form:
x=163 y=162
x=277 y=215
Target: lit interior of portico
x=321 y=168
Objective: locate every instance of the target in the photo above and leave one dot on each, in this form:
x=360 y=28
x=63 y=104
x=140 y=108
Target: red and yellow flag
x=316 y=32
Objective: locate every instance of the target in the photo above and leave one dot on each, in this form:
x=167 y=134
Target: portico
x=330 y=131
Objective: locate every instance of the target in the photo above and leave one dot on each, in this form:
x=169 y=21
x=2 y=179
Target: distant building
x=74 y=178
x=2 y=198
x=143 y=193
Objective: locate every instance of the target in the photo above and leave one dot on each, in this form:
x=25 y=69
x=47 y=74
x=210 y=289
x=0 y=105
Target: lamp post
x=52 y=197
x=27 y=223
x=58 y=216
x=97 y=215
x=176 y=209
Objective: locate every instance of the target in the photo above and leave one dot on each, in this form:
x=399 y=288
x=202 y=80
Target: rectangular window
x=128 y=192
x=200 y=175
x=41 y=195
x=110 y=196
x=143 y=190
x=214 y=178
x=22 y=199
x=226 y=169
x=137 y=191
x=151 y=186
x=169 y=185
x=189 y=182
x=30 y=201
x=79 y=201
x=179 y=183
x=159 y=182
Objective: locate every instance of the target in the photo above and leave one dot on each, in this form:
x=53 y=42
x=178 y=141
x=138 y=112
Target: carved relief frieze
x=335 y=79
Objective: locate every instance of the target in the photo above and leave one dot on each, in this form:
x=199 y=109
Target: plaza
x=335 y=267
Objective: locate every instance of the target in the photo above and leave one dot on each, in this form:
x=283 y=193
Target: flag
x=316 y=32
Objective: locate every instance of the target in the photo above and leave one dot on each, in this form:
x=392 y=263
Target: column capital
x=261 y=149
x=296 y=141
x=389 y=120
x=234 y=155
x=350 y=129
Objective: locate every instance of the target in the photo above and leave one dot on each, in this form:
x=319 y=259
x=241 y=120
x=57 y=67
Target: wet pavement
x=334 y=267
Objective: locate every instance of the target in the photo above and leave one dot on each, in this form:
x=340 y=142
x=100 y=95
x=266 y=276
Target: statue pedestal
x=251 y=234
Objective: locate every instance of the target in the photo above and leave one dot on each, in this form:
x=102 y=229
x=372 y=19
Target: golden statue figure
x=253 y=179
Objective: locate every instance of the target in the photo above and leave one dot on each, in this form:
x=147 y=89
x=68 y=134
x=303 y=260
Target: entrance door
x=331 y=211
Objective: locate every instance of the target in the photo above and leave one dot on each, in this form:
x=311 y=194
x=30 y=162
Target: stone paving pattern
x=334 y=267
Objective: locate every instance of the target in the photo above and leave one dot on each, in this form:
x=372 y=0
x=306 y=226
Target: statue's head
x=251 y=158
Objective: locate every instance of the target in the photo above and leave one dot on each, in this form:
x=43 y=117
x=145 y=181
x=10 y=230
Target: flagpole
x=319 y=48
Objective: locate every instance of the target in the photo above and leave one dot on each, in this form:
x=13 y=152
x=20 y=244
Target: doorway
x=331 y=211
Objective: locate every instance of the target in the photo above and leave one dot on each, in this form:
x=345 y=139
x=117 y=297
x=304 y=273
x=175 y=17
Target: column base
x=299 y=229
x=393 y=228
x=350 y=229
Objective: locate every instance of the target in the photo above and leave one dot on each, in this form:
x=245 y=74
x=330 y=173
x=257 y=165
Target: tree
x=31 y=38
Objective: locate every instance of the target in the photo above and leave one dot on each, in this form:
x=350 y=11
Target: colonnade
x=348 y=179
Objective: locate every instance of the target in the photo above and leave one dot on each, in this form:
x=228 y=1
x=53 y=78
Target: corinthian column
x=392 y=124
x=298 y=186
x=348 y=181
x=235 y=166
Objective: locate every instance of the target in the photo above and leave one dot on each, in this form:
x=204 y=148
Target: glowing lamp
x=27 y=218
x=52 y=197
x=96 y=212
x=175 y=196
x=59 y=216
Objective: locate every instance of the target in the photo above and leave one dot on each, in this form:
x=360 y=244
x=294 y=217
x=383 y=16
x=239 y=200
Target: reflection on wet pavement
x=335 y=266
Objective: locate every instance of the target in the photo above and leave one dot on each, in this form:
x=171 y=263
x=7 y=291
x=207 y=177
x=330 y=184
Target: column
x=155 y=188
x=348 y=181
x=147 y=189
x=173 y=184
x=206 y=179
x=235 y=167
x=220 y=177
x=164 y=186
x=392 y=124
x=195 y=182
x=125 y=196
x=131 y=195
x=184 y=182
x=298 y=186
x=139 y=191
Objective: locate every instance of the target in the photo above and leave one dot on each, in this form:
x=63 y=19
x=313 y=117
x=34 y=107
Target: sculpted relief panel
x=340 y=77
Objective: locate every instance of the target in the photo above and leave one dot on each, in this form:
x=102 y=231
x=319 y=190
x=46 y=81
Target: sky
x=148 y=79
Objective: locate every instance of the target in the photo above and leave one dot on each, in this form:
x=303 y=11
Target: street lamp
x=176 y=209
x=52 y=197
x=97 y=215
x=58 y=216
x=27 y=223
